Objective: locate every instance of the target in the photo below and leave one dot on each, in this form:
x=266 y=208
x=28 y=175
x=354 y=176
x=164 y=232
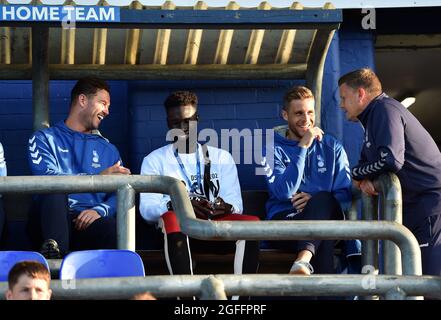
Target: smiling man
x=75 y=147
x=309 y=180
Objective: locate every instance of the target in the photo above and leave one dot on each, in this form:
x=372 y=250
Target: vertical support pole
x=369 y=248
x=5 y=45
x=125 y=218
x=40 y=77
x=316 y=64
x=391 y=210
x=356 y=198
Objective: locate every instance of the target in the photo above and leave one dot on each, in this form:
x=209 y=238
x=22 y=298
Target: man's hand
x=367 y=187
x=85 y=219
x=356 y=183
x=221 y=207
x=202 y=208
x=117 y=168
x=309 y=136
x=299 y=200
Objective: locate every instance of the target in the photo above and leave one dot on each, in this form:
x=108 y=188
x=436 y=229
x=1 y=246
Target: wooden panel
x=133 y=39
x=287 y=41
x=194 y=39
x=225 y=38
x=256 y=40
x=163 y=39
x=100 y=42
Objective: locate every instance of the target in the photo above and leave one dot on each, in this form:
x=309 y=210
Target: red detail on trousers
x=171 y=222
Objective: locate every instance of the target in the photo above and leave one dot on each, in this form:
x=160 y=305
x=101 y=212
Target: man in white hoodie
x=210 y=176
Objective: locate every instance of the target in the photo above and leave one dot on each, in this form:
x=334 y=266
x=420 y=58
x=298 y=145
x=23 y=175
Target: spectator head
x=90 y=104
x=357 y=89
x=181 y=109
x=143 y=296
x=29 y=280
x=298 y=111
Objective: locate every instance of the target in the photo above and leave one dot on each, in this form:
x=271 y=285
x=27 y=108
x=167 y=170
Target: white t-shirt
x=224 y=181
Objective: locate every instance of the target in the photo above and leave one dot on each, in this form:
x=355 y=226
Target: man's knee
x=170 y=222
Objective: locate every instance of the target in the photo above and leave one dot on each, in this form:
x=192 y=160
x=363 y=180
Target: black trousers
x=51 y=219
x=427 y=231
x=322 y=206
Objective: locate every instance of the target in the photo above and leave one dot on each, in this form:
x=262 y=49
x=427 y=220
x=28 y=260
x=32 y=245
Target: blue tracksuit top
x=396 y=142
x=58 y=150
x=322 y=167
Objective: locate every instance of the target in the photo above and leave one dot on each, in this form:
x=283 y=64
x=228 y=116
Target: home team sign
x=59 y=13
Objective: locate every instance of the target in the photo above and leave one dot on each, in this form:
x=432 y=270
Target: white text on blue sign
x=59 y=13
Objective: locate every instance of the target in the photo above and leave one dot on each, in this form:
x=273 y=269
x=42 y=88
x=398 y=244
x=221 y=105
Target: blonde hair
x=296 y=93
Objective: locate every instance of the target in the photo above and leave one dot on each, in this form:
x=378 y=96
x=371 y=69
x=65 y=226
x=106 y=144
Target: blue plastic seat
x=9 y=258
x=101 y=264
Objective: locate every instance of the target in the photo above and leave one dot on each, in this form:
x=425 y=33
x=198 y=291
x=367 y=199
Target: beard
x=296 y=134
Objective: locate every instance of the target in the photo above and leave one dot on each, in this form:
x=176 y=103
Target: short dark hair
x=33 y=269
x=180 y=98
x=88 y=86
x=362 y=78
x=296 y=93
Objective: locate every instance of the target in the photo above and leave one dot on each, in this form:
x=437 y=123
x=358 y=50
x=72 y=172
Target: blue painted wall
x=356 y=51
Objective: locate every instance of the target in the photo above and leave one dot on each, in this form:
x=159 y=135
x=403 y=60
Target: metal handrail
x=245 y=285
x=213 y=230
x=126 y=187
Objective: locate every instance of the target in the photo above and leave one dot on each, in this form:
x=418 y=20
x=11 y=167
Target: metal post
x=369 y=248
x=40 y=76
x=391 y=210
x=125 y=218
x=212 y=288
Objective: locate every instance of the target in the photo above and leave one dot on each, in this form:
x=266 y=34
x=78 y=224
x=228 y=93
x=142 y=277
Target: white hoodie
x=162 y=161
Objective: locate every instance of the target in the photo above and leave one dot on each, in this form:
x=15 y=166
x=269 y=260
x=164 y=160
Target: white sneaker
x=302 y=268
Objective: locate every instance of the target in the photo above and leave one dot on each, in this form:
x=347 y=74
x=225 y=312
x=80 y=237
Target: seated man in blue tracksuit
x=308 y=180
x=75 y=147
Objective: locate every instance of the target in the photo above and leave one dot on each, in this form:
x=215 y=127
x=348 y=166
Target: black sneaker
x=50 y=250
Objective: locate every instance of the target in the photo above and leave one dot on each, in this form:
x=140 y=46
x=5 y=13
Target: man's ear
x=82 y=100
x=8 y=294
x=361 y=93
x=284 y=115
